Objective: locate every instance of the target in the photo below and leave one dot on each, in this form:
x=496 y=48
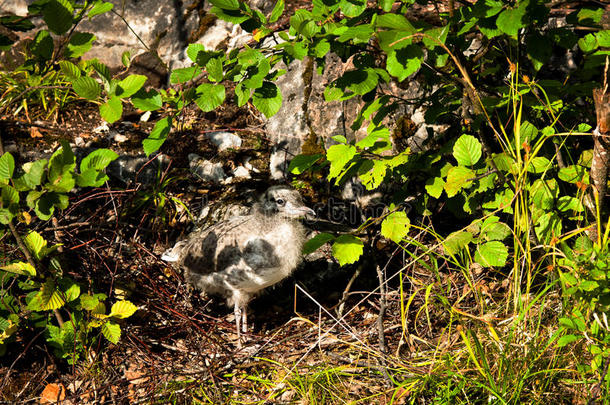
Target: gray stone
x=224 y=140
x=306 y=114
x=206 y=170
x=139 y=168
x=241 y=172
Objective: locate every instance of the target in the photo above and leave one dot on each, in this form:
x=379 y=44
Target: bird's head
x=284 y=201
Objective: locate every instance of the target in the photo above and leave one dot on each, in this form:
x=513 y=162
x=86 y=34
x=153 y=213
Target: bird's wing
x=216 y=247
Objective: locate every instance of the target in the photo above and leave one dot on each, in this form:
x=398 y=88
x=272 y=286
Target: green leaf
x=157 y=136
x=71 y=290
x=588 y=43
x=457 y=178
x=232 y=16
x=88 y=302
x=226 y=4
x=69 y=69
x=42 y=45
x=126 y=59
x=16 y=23
x=538 y=49
x=492 y=229
x=100 y=7
x=210 y=96
x=361 y=81
x=603 y=38
x=435 y=186
x=358 y=34
x=322 y=48
x=467 y=150
x=111 y=331
x=183 y=75
x=214 y=68
x=506 y=163
x=347 y=249
x=6 y=215
x=457 y=241
x=395 y=226
x=544 y=193
x=242 y=93
x=250 y=57
x=147 y=100
x=574 y=174
x=257 y=74
x=86 y=87
x=314 y=243
x=568 y=340
x=194 y=50
x=376 y=137
x=267 y=99
x=47 y=298
x=79 y=44
x=61 y=164
x=91 y=178
x=9 y=195
x=44 y=205
x=512 y=19
x=122 y=309
x=568 y=203
x=92 y=166
x=300 y=163
x=102 y=70
x=277 y=11
x=402 y=63
x=339 y=156
x=548 y=226
x=5 y=45
x=58 y=15
x=302 y=22
x=395 y=21
x=491 y=254
x=435 y=37
x=112 y=110
x=539 y=164
x=374 y=177
x=590 y=16
x=36 y=244
x=7 y=167
x=130 y=85
x=352 y=8
x=21 y=268
x=99 y=159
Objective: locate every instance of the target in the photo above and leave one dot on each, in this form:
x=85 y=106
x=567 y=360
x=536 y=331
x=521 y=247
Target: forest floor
x=180 y=347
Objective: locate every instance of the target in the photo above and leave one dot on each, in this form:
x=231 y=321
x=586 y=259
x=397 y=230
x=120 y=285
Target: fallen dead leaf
x=53 y=393
x=35 y=133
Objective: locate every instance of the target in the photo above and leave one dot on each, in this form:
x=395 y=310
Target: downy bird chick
x=239 y=257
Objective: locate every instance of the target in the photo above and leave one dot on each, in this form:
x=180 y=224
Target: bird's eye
x=280 y=201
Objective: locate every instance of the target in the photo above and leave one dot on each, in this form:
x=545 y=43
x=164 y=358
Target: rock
x=127 y=168
x=306 y=118
x=102 y=128
x=222 y=34
x=114 y=136
x=79 y=142
x=224 y=140
x=206 y=170
x=242 y=172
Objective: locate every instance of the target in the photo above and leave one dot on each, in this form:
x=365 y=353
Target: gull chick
x=239 y=257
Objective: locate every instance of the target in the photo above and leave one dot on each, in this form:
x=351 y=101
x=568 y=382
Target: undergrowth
x=491 y=256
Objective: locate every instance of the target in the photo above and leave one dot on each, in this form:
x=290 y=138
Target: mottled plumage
x=239 y=257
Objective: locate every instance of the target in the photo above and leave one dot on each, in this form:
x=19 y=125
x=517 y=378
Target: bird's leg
x=244 y=314
x=238 y=314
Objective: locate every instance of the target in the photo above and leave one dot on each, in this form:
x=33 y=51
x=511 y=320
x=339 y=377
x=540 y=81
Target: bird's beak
x=301 y=211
